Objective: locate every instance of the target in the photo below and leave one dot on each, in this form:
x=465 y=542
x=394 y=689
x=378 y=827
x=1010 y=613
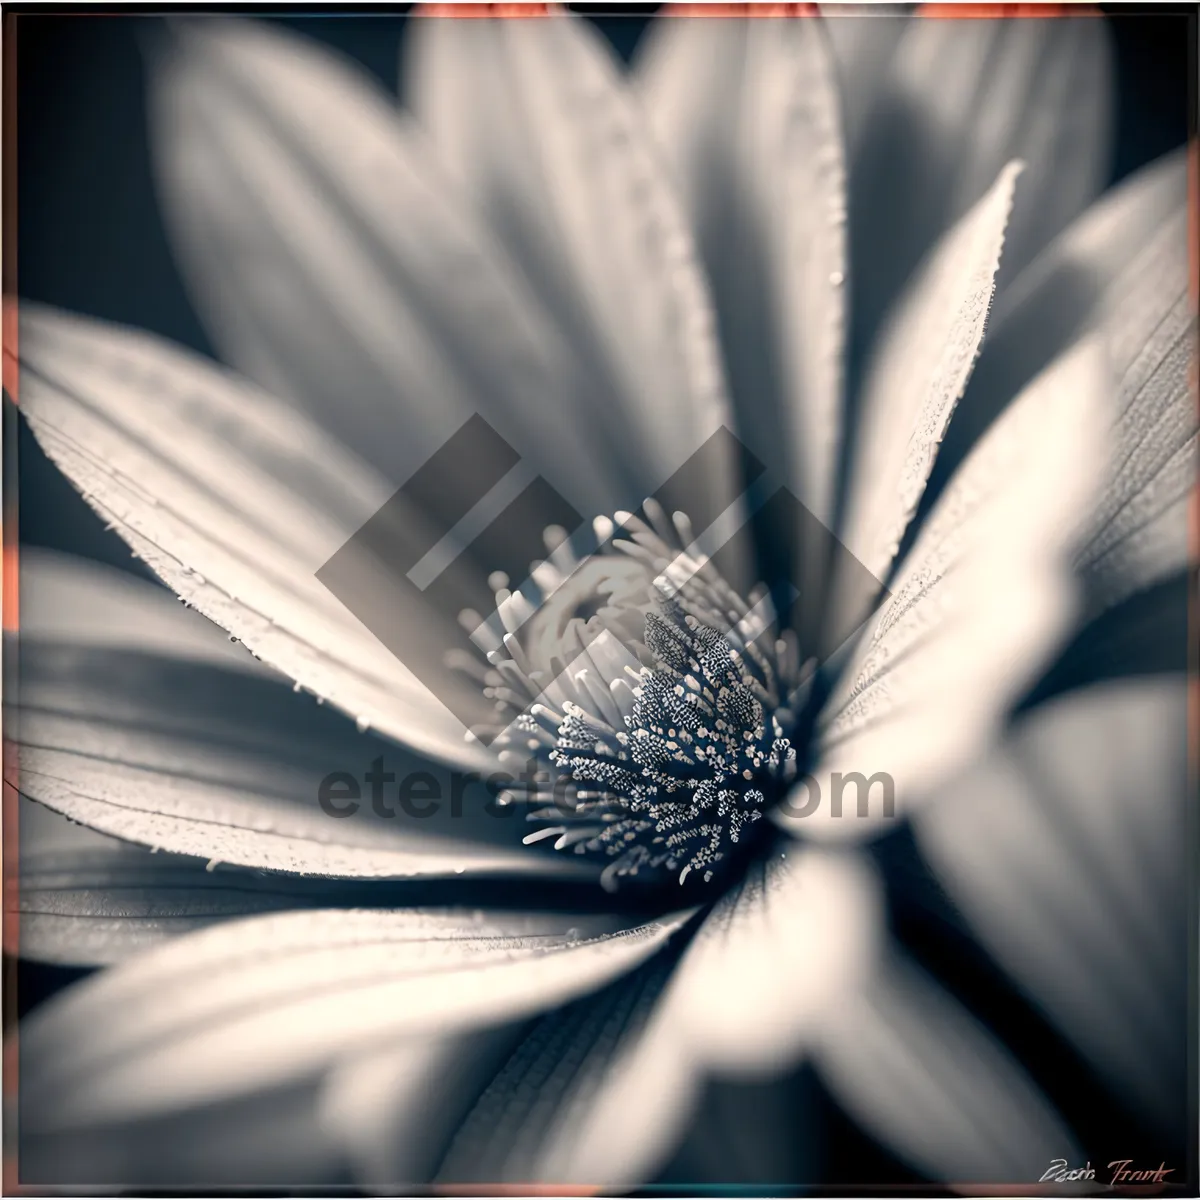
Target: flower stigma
x=657 y=704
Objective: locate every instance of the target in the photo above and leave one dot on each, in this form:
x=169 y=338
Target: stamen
x=664 y=709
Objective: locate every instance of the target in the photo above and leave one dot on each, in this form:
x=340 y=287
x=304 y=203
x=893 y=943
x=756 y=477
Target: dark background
x=90 y=239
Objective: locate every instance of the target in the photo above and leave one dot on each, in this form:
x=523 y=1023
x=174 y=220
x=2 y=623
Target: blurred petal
x=1067 y=291
x=864 y=38
x=771 y=958
x=396 y=1108
x=979 y=603
x=268 y=1140
x=338 y=267
x=963 y=97
x=1145 y=635
x=766 y=969
x=191 y=753
x=1067 y=852
x=1141 y=525
x=916 y=1071
x=253 y=1003
x=917 y=376
x=747 y=113
x=233 y=499
x=533 y=118
x=524 y=1126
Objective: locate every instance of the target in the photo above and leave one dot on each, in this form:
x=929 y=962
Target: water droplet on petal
x=837 y=278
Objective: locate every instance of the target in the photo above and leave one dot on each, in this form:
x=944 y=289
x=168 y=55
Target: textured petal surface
x=961 y=98
x=86 y=899
x=525 y=1124
x=980 y=601
x=1120 y=269
x=1141 y=524
x=533 y=119
x=179 y=744
x=1067 y=852
x=917 y=1071
x=746 y=112
x=917 y=376
x=337 y=265
x=767 y=968
x=253 y=1003
x=232 y=498
x=395 y=1109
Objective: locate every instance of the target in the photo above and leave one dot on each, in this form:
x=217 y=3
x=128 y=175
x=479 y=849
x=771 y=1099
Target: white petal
x=256 y=1002
x=1141 y=525
x=65 y=598
x=1079 y=283
x=917 y=376
x=1067 y=852
x=746 y=112
x=395 y=1109
x=338 y=267
x=525 y=1124
x=771 y=960
x=193 y=754
x=916 y=1071
x=233 y=499
x=534 y=120
x=270 y=1140
x=84 y=899
x=980 y=601
x=768 y=967
x=962 y=98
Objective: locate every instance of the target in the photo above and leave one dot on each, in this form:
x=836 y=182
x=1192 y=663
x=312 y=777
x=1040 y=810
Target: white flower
x=611 y=271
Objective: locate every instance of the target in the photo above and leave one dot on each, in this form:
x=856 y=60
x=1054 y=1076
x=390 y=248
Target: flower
x=612 y=272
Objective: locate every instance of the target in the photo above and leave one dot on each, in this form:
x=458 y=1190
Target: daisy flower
x=722 y=304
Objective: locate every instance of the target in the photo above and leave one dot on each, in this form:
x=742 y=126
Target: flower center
x=649 y=705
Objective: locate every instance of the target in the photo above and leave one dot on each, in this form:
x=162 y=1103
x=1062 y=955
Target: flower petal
x=85 y=899
x=765 y=970
x=524 y=1126
x=962 y=98
x=233 y=499
x=1060 y=296
x=532 y=117
x=917 y=376
x=196 y=755
x=1141 y=524
x=747 y=113
x=916 y=1071
x=1120 y=269
x=864 y=38
x=770 y=960
x=337 y=265
x=395 y=1109
x=250 y=1004
x=270 y=1140
x=1067 y=852
x=980 y=601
